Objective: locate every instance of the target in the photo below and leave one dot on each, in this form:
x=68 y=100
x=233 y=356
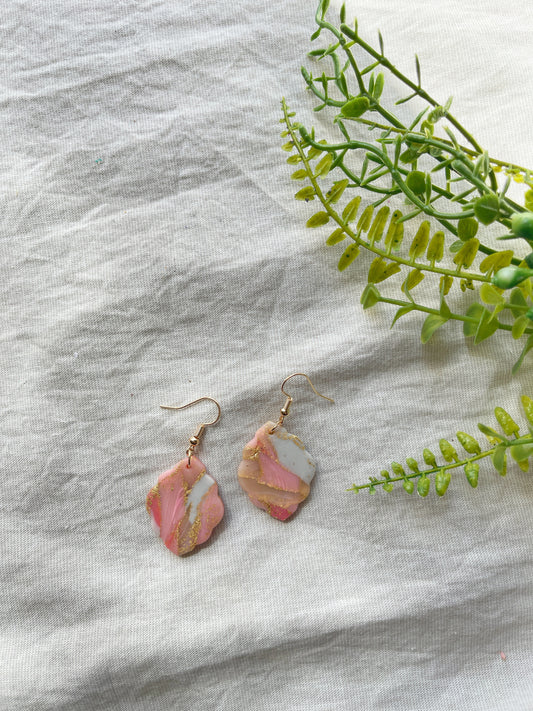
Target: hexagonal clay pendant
x=276 y=471
x=185 y=506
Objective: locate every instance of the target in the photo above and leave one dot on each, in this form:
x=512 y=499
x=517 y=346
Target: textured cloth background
x=152 y=252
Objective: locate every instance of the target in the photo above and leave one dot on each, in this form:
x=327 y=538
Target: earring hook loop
x=194 y=440
x=288 y=402
x=310 y=383
x=190 y=404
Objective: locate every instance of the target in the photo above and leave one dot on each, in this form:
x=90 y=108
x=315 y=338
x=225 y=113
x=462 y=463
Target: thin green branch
x=470 y=276
x=444 y=467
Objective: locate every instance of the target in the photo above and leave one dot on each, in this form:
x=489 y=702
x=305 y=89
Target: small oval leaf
x=348 y=256
x=318 y=219
x=430 y=325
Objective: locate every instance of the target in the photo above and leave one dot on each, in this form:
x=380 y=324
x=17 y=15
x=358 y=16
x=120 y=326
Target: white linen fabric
x=152 y=253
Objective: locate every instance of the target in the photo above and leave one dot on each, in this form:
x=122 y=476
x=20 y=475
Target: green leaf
x=496 y=261
x=408 y=485
x=413 y=279
x=499 y=459
x=444 y=309
x=475 y=311
x=423 y=485
x=467 y=228
x=314 y=152
x=429 y=188
x=307 y=193
x=348 y=256
x=378 y=225
x=334 y=194
x=299 y=175
x=487 y=208
x=448 y=451
x=420 y=241
x=292 y=160
x=397 y=469
x=366 y=218
x=506 y=422
x=525 y=351
x=521 y=452
x=411 y=155
x=483 y=326
x=324 y=7
x=381 y=269
x=468 y=443
x=445 y=284
x=519 y=326
x=402 y=311
x=416 y=182
x=343 y=13
x=442 y=481
x=355 y=107
x=323 y=166
x=395 y=230
x=378 y=86
x=518 y=301
x=472 y=472
x=335 y=237
x=370 y=296
x=430 y=325
x=527 y=404
x=340 y=81
x=490 y=294
x=436 y=114
x=466 y=255
x=490 y=434
x=412 y=464
x=436 y=248
x=350 y=211
x=318 y=219
x=429 y=458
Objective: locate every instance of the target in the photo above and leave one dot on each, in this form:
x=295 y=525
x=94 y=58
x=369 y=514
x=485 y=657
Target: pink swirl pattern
x=185 y=506
x=275 y=471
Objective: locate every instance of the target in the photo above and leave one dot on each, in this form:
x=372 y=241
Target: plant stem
x=398 y=179
x=370 y=247
x=434 y=470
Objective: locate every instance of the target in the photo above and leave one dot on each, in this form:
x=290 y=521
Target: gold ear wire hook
x=194 y=440
x=285 y=409
x=310 y=383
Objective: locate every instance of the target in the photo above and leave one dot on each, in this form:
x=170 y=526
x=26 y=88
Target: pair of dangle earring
x=276 y=472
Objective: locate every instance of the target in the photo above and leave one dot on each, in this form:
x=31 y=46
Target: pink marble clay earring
x=276 y=470
x=184 y=504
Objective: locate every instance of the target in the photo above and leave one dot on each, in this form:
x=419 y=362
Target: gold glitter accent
x=191 y=536
x=250 y=453
x=152 y=494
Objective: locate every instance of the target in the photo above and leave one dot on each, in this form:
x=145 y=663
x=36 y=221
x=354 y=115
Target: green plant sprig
x=519 y=446
x=345 y=225
x=388 y=166
x=382 y=60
